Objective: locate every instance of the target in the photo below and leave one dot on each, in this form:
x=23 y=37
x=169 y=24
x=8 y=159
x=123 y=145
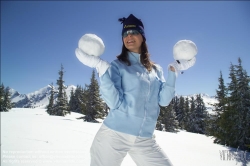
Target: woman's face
x=133 y=41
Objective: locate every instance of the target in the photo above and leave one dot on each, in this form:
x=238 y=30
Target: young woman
x=133 y=87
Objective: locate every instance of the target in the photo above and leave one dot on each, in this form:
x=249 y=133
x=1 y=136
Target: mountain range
x=40 y=98
x=37 y=99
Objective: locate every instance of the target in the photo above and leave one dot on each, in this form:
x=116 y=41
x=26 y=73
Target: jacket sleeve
x=110 y=87
x=167 y=90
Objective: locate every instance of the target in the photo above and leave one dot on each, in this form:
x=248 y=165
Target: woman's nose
x=129 y=35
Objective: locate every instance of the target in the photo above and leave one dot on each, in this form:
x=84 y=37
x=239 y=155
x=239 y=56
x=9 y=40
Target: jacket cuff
x=171 y=78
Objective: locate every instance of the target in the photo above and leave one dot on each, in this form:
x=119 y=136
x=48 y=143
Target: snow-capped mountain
x=208 y=100
x=37 y=99
x=40 y=98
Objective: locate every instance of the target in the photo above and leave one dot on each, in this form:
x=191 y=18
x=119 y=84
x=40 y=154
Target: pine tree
x=230 y=116
x=1 y=97
x=94 y=105
x=243 y=106
x=201 y=114
x=72 y=101
x=186 y=113
x=191 y=119
x=221 y=96
x=176 y=106
x=61 y=105
x=239 y=107
x=159 y=123
x=50 y=107
x=227 y=117
x=235 y=119
x=85 y=99
x=106 y=109
x=213 y=124
x=65 y=97
x=81 y=99
x=169 y=118
x=198 y=115
x=5 y=101
x=180 y=112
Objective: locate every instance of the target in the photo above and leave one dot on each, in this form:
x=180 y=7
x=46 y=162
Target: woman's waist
x=130 y=124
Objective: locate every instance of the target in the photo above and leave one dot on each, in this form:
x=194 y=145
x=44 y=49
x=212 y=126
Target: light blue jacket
x=133 y=95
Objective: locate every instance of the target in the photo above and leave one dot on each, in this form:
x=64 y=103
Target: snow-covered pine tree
x=1 y=97
x=197 y=115
x=65 y=97
x=61 y=105
x=176 y=101
x=169 y=118
x=84 y=99
x=81 y=99
x=186 y=113
x=72 y=101
x=106 y=109
x=221 y=96
x=50 y=107
x=191 y=119
x=243 y=106
x=159 y=124
x=176 y=105
x=201 y=114
x=94 y=105
x=180 y=112
x=5 y=101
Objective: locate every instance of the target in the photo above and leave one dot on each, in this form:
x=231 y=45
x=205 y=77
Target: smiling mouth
x=130 y=41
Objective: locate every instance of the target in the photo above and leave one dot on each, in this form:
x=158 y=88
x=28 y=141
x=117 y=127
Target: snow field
x=32 y=137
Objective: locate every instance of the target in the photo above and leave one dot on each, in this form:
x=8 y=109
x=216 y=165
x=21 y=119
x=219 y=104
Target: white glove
x=90 y=48
x=182 y=65
x=92 y=61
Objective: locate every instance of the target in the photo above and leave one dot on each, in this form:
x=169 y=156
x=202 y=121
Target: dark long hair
x=145 y=60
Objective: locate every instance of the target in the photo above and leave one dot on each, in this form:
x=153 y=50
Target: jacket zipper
x=145 y=110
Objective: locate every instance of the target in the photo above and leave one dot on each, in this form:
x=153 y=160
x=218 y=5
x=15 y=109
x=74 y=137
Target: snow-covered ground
x=32 y=137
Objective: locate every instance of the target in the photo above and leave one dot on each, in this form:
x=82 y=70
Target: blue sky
x=37 y=37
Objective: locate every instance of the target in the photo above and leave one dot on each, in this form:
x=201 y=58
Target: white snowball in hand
x=91 y=45
x=184 y=50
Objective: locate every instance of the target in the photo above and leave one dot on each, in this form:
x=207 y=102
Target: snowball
x=184 y=50
x=91 y=45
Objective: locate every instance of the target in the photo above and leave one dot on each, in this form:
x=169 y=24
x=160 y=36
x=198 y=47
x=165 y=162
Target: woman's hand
x=90 y=48
x=181 y=65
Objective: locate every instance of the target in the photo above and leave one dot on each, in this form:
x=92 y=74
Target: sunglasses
x=130 y=32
